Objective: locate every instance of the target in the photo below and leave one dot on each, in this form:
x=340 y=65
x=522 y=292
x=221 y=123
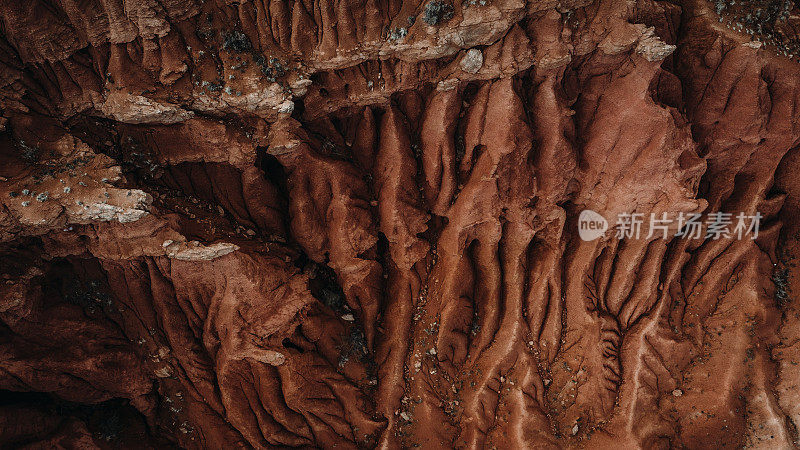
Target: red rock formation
x=355 y=224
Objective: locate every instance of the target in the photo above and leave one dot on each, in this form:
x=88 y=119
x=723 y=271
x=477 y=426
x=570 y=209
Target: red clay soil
x=355 y=224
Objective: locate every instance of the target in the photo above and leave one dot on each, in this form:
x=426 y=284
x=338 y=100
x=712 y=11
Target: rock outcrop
x=269 y=224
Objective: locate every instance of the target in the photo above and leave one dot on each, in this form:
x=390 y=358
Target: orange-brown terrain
x=354 y=224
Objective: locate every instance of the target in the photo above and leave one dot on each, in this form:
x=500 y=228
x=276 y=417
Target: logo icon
x=591 y=225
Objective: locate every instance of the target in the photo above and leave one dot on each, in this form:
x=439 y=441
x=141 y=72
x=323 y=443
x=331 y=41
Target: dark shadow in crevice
x=111 y=423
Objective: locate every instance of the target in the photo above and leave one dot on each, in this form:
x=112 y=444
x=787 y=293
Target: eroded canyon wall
x=354 y=224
